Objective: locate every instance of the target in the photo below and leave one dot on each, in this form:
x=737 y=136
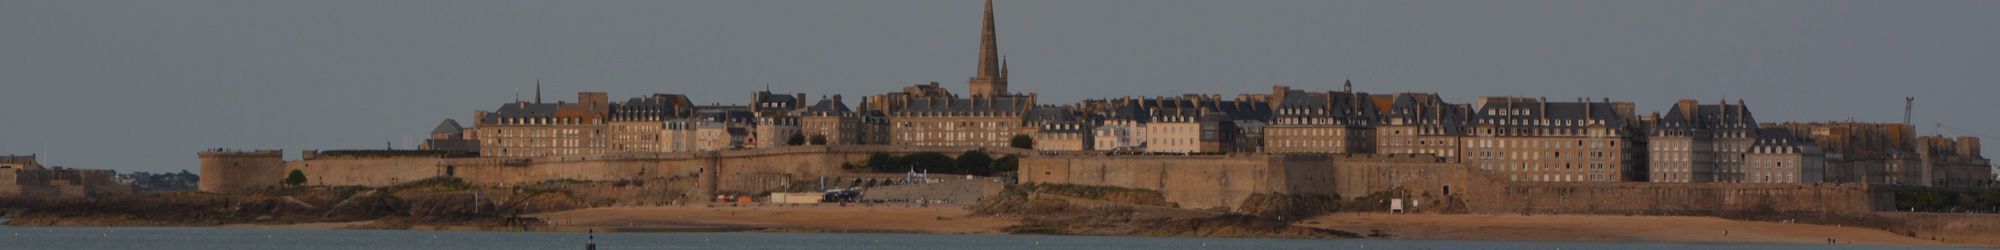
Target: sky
x=144 y=85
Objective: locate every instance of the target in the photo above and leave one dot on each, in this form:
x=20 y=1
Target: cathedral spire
x=991 y=78
x=538 y=90
x=989 y=47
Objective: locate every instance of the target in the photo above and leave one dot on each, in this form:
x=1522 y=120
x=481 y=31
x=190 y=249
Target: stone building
x=777 y=119
x=1953 y=162
x=1529 y=139
x=19 y=162
x=952 y=121
x=523 y=129
x=59 y=182
x=717 y=128
x=1876 y=153
x=639 y=124
x=1422 y=123
x=928 y=115
x=1060 y=129
x=833 y=121
x=1177 y=128
x=452 y=138
x=1175 y=124
x=1123 y=127
x=1695 y=142
x=1321 y=122
x=1778 y=157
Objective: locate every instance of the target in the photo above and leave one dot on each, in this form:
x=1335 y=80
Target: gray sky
x=143 y=85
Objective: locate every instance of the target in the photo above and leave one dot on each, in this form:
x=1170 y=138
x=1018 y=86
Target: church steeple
x=1003 y=66
x=991 y=77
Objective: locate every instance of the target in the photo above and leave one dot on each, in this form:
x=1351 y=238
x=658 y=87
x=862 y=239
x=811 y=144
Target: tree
x=882 y=163
x=975 y=163
x=1005 y=164
x=819 y=140
x=1990 y=199
x=796 y=139
x=297 y=178
x=1022 y=141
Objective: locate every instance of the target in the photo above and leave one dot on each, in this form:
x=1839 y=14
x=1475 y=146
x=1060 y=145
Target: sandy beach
x=824 y=217
x=1603 y=228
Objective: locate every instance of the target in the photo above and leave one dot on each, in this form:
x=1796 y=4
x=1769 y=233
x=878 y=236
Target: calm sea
x=246 y=238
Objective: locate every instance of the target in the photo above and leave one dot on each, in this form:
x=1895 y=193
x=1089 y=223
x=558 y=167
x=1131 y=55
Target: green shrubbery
x=1930 y=200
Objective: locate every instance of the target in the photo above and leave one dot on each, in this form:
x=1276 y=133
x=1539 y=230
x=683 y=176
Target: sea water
x=255 y=238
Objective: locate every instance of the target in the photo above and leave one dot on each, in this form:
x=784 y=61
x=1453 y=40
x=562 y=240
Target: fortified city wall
x=1191 y=181
x=743 y=171
x=229 y=171
x=1212 y=181
x=1424 y=183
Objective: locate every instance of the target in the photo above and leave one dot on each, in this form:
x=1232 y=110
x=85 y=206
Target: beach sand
x=823 y=217
x=1603 y=228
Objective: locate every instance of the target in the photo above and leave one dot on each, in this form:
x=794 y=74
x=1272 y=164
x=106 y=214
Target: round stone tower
x=238 y=171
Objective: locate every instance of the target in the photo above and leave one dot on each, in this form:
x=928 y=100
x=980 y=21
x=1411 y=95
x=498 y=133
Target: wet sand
x=821 y=218
x=1603 y=228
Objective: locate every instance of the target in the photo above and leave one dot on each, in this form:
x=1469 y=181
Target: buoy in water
x=592 y=244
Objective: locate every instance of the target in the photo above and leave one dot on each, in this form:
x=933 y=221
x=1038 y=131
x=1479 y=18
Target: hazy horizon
x=143 y=85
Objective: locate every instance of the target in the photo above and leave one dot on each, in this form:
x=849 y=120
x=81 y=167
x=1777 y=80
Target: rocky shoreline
x=449 y=204
x=446 y=202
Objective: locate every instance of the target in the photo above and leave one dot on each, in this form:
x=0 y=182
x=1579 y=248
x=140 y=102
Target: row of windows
x=1307 y=132
x=1561 y=177
x=1539 y=143
x=954 y=136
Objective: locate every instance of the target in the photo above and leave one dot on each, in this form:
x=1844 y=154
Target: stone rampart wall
x=1948 y=227
x=240 y=171
x=744 y=171
x=1424 y=182
x=366 y=170
x=1188 y=181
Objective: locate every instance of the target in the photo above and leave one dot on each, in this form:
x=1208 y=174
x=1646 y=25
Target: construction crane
x=1909 y=103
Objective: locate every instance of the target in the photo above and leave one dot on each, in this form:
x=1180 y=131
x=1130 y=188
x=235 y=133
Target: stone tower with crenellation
x=991 y=78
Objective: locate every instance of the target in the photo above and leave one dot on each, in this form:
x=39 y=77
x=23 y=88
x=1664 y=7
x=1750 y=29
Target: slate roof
x=724 y=114
x=530 y=110
x=965 y=106
x=18 y=159
x=1686 y=117
x=1559 y=114
x=1780 y=140
x=1305 y=107
x=656 y=107
x=829 y=107
x=1427 y=109
x=449 y=126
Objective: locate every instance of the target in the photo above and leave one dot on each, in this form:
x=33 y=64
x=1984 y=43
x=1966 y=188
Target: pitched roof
x=1529 y=112
x=653 y=107
x=1687 y=116
x=449 y=126
x=964 y=106
x=829 y=107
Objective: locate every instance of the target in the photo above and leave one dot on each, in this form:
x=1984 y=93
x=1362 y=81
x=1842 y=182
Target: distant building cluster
x=24 y=175
x=1532 y=139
